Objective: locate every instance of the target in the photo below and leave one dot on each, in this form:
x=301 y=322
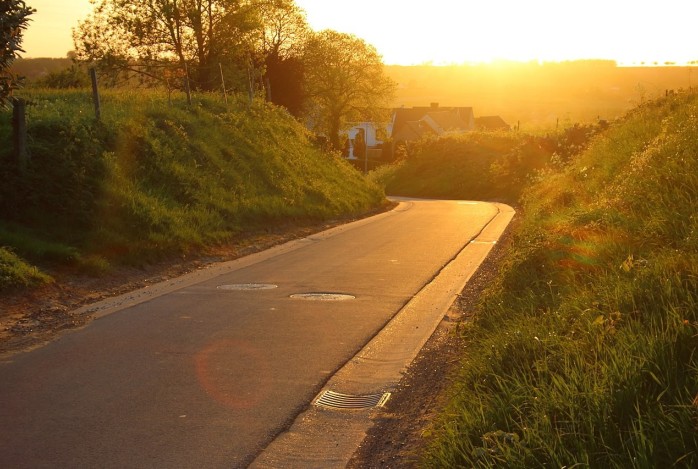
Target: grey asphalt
x=194 y=373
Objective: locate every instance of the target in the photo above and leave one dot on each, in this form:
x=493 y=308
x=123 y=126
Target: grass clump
x=583 y=352
x=15 y=272
x=155 y=177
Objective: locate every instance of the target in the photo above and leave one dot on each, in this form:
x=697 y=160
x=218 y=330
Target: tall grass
x=583 y=353
x=157 y=177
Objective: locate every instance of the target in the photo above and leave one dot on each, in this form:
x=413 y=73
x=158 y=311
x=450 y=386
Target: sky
x=440 y=32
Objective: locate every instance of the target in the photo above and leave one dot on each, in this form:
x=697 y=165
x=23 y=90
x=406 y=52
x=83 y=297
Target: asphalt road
x=200 y=373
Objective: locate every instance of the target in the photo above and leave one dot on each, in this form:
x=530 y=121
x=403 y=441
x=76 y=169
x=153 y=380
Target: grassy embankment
x=153 y=179
x=584 y=351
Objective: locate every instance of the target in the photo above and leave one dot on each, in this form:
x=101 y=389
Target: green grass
x=155 y=178
x=479 y=165
x=14 y=272
x=583 y=352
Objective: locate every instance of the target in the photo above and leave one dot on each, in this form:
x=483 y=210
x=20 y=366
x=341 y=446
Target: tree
x=74 y=76
x=345 y=81
x=283 y=31
x=149 y=36
x=283 y=28
x=14 y=19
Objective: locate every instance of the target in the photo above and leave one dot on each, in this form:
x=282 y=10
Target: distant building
x=491 y=123
x=413 y=123
x=362 y=140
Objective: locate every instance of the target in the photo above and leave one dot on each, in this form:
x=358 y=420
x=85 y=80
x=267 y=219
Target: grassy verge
x=479 y=165
x=157 y=177
x=583 y=352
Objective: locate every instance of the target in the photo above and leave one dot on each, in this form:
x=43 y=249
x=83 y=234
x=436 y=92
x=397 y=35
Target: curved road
x=208 y=370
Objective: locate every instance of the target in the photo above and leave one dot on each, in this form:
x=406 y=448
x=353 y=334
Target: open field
x=537 y=96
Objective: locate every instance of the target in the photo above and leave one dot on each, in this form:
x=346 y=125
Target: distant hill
x=34 y=69
x=538 y=95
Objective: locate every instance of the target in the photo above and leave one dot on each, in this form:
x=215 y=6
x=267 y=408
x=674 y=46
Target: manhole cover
x=323 y=296
x=247 y=286
x=338 y=400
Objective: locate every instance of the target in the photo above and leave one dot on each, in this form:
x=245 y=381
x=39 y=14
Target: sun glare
x=462 y=31
x=456 y=31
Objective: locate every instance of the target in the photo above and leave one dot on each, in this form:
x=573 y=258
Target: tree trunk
x=334 y=132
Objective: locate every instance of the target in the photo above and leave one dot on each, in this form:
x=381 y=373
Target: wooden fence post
x=19 y=133
x=169 y=92
x=186 y=84
x=250 y=80
x=95 y=94
x=225 y=93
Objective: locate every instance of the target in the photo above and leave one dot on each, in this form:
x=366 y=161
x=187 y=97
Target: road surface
x=209 y=370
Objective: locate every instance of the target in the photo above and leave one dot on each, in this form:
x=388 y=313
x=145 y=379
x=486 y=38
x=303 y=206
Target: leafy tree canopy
x=14 y=19
x=283 y=32
x=345 y=81
x=161 y=39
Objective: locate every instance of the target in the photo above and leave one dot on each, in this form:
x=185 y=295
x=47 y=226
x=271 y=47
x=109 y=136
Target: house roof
x=491 y=123
x=403 y=115
x=446 y=121
x=411 y=130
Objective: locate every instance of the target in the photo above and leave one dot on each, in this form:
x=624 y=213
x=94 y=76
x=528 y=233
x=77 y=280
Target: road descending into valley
x=222 y=367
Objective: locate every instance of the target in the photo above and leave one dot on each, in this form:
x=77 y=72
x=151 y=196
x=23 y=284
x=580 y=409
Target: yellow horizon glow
x=410 y=32
x=439 y=32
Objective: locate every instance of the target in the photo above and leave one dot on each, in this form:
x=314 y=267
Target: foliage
x=74 y=76
x=14 y=19
x=283 y=31
x=14 y=272
x=345 y=81
x=153 y=178
x=255 y=44
x=33 y=69
x=283 y=28
x=481 y=165
x=145 y=36
x=585 y=350
x=284 y=79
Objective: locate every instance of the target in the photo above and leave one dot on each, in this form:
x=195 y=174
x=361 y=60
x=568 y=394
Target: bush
x=481 y=165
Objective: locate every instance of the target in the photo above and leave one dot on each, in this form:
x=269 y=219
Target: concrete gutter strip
x=327 y=438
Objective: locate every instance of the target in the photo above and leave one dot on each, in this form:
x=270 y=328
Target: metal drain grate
x=338 y=400
x=323 y=296
x=247 y=286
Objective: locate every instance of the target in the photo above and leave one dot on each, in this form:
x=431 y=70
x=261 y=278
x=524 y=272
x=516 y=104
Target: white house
x=369 y=131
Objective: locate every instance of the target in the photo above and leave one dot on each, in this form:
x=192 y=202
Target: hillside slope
x=154 y=178
x=584 y=351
